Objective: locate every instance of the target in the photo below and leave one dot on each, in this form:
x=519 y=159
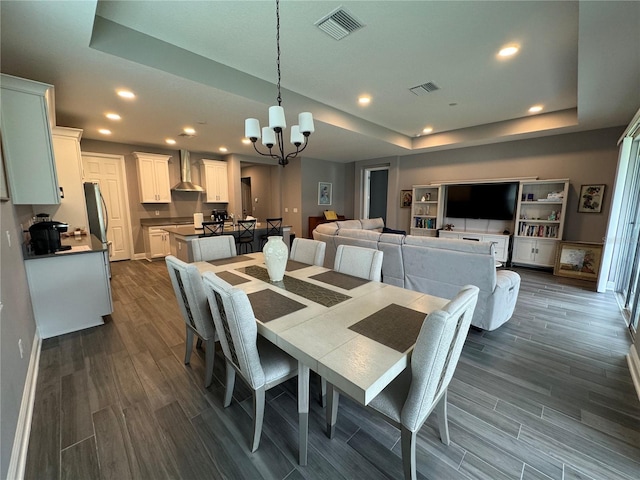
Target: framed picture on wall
x=406 y=198
x=578 y=260
x=324 y=193
x=590 y=200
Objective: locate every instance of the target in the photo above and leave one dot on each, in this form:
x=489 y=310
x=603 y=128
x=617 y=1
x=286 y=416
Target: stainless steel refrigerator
x=97 y=215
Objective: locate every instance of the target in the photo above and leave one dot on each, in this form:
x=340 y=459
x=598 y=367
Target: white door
x=108 y=171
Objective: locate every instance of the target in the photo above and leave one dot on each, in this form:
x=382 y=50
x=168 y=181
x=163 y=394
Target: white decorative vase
x=276 y=254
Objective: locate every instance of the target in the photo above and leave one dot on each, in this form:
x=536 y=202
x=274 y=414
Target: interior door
x=375 y=191
x=108 y=172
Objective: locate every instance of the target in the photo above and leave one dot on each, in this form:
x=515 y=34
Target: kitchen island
x=180 y=237
x=70 y=290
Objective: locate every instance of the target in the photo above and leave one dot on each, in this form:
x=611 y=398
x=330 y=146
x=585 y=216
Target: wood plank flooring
x=546 y=396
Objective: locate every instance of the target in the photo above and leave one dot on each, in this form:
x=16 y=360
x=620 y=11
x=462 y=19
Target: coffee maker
x=45 y=237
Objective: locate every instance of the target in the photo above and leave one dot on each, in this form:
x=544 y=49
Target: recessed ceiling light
x=105 y=131
x=508 y=50
x=535 y=109
x=427 y=130
x=246 y=141
x=113 y=116
x=126 y=94
x=170 y=141
x=189 y=131
x=223 y=149
x=364 y=100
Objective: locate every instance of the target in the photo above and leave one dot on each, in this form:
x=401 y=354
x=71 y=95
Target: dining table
x=357 y=334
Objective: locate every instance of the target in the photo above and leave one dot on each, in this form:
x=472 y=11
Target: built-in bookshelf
x=426 y=210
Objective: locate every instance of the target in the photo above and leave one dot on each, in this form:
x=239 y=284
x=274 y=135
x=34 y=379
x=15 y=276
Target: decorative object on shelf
x=426 y=197
x=274 y=132
x=530 y=197
x=448 y=227
x=275 y=257
x=578 y=260
x=324 y=193
x=406 y=198
x=590 y=200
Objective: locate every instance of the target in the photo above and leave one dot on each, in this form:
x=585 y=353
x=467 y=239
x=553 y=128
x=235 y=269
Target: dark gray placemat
x=268 y=305
x=310 y=291
x=226 y=261
x=232 y=278
x=294 y=265
x=395 y=326
x=340 y=280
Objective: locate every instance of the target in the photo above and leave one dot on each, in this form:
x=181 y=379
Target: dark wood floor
x=547 y=395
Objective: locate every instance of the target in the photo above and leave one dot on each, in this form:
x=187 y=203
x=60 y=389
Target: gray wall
x=16 y=322
x=339 y=175
x=587 y=157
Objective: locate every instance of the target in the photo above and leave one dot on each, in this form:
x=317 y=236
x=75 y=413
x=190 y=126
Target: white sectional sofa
x=437 y=266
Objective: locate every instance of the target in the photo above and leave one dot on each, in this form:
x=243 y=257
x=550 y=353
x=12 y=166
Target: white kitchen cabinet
x=156 y=241
x=69 y=292
x=215 y=181
x=153 y=177
x=534 y=252
x=72 y=208
x=500 y=242
x=26 y=141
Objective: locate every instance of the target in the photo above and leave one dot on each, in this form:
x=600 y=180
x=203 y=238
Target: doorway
x=247 y=204
x=376 y=183
x=109 y=172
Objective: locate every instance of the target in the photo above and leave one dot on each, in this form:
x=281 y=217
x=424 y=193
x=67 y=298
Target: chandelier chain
x=278 y=48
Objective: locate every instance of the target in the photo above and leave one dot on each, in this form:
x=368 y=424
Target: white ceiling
x=211 y=64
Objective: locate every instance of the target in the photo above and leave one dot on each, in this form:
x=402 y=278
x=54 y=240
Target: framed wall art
x=578 y=260
x=590 y=199
x=406 y=198
x=324 y=193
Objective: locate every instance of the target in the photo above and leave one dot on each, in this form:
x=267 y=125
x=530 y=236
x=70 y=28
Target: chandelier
x=274 y=133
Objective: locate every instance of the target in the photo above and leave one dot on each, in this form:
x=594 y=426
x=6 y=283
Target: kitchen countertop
x=191 y=231
x=154 y=222
x=79 y=245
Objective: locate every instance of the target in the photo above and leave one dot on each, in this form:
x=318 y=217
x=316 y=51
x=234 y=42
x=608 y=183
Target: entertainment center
x=530 y=210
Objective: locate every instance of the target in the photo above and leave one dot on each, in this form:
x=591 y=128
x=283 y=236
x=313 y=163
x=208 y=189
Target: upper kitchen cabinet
x=26 y=141
x=153 y=177
x=215 y=181
x=72 y=208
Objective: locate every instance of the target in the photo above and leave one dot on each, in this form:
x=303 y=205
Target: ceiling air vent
x=424 y=89
x=339 y=23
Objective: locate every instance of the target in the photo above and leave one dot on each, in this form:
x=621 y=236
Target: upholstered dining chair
x=212 y=229
x=194 y=306
x=308 y=251
x=212 y=248
x=421 y=388
x=274 y=229
x=359 y=262
x=260 y=364
x=246 y=234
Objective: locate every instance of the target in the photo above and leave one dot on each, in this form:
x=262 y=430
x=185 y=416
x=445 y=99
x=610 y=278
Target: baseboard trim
x=634 y=366
x=23 y=428
x=139 y=256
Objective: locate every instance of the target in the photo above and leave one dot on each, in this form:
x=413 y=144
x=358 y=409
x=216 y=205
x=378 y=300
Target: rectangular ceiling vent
x=339 y=23
x=424 y=89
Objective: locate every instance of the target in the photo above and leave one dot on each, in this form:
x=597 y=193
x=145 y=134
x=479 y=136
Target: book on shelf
x=541 y=231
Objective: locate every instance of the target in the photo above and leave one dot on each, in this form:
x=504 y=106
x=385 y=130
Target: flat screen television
x=493 y=201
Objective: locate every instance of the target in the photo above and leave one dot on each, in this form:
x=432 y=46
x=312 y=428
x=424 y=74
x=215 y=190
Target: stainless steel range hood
x=185 y=184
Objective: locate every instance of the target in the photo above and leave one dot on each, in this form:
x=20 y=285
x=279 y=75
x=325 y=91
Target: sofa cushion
x=349 y=224
x=327 y=228
x=393 y=238
x=372 y=224
x=483 y=248
x=360 y=234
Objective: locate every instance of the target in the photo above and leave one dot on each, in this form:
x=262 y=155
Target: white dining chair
x=213 y=248
x=194 y=306
x=260 y=363
x=359 y=262
x=421 y=388
x=308 y=251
